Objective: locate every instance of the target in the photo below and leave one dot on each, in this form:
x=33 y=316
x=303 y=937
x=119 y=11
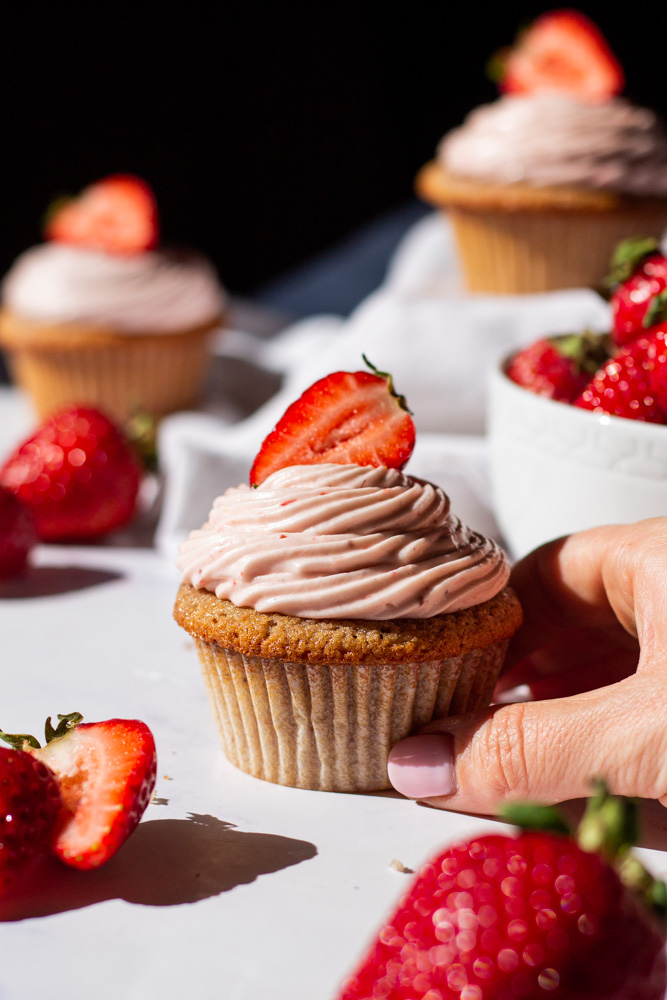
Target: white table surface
x=231 y=888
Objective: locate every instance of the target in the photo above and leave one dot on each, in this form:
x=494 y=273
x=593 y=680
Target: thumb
x=544 y=752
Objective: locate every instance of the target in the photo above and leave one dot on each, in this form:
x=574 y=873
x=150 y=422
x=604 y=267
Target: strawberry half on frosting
x=345 y=418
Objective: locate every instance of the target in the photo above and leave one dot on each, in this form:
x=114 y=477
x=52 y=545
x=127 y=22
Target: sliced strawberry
x=117 y=214
x=106 y=773
x=347 y=418
x=563 y=52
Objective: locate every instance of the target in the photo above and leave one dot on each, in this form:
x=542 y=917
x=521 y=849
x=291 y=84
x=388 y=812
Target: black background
x=268 y=132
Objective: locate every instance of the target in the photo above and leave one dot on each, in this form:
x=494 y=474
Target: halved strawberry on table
x=564 y=52
x=346 y=418
x=105 y=773
x=117 y=214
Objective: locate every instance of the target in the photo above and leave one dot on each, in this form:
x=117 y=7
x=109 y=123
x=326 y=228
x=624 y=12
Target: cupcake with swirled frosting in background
x=542 y=184
x=339 y=605
x=99 y=315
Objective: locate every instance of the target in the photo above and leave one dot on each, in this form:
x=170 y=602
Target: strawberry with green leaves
x=105 y=772
x=638 y=277
x=623 y=386
x=559 y=367
x=534 y=915
x=345 y=418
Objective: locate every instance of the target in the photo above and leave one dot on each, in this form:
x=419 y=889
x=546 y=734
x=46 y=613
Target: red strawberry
x=106 y=772
x=346 y=418
x=558 y=367
x=657 y=362
x=29 y=807
x=531 y=916
x=18 y=534
x=639 y=273
x=622 y=387
x=117 y=214
x=563 y=52
x=78 y=475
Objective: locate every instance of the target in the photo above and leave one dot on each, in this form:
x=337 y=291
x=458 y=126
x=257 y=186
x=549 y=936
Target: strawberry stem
x=401 y=400
x=530 y=817
x=657 y=310
x=65 y=724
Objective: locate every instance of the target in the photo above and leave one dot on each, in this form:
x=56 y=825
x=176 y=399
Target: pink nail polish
x=423 y=766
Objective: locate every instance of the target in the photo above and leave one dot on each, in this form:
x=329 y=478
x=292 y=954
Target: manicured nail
x=423 y=766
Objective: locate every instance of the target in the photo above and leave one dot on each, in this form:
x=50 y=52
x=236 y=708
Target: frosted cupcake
x=335 y=609
x=97 y=315
x=542 y=184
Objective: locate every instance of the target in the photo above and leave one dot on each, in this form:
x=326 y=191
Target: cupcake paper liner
x=118 y=374
x=330 y=727
x=522 y=252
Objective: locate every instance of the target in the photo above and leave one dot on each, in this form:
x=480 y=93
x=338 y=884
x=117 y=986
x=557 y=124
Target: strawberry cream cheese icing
x=554 y=139
x=154 y=291
x=342 y=541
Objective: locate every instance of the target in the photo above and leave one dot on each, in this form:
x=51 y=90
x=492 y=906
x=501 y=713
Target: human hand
x=595 y=607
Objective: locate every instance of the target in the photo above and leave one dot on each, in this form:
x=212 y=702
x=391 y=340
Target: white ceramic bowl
x=556 y=468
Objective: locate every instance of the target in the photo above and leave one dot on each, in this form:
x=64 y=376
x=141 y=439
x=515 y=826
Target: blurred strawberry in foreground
x=30 y=804
x=106 y=775
x=558 y=367
x=18 y=534
x=78 y=475
x=638 y=275
x=348 y=418
x=535 y=915
x=562 y=52
x=116 y=215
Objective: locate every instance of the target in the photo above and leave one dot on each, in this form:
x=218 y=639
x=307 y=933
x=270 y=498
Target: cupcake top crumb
x=305 y=640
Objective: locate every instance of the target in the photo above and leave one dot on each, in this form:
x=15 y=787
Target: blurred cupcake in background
x=99 y=315
x=543 y=183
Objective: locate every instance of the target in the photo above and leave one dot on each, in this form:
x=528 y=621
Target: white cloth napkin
x=438 y=342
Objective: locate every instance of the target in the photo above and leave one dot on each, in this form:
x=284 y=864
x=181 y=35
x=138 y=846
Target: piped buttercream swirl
x=152 y=292
x=342 y=541
x=553 y=139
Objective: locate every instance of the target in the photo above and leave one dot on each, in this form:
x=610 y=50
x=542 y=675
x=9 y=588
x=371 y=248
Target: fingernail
x=423 y=766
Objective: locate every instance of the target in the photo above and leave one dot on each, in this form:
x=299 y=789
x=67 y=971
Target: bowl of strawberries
x=577 y=422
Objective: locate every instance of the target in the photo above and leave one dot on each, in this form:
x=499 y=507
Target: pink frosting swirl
x=342 y=541
x=554 y=139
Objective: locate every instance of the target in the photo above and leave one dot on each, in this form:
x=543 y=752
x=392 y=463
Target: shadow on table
x=165 y=863
x=47 y=581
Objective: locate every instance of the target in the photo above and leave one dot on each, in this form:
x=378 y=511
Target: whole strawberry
x=534 y=915
x=29 y=807
x=18 y=534
x=657 y=364
x=622 y=387
x=78 y=475
x=558 y=367
x=639 y=273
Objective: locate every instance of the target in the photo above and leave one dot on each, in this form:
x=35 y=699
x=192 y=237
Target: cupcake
x=97 y=315
x=337 y=606
x=542 y=184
